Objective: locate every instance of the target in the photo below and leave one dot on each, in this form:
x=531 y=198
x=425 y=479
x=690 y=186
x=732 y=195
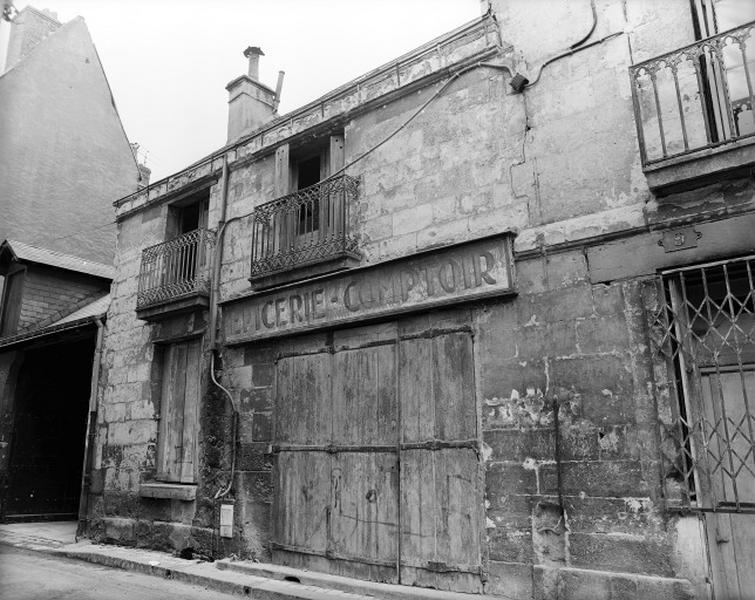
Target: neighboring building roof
x=53 y=258
x=94 y=309
x=86 y=315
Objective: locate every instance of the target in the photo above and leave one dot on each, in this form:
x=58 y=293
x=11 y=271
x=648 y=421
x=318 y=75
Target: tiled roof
x=93 y=309
x=54 y=258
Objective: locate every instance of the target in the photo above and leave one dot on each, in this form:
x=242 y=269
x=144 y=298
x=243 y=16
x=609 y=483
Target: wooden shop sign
x=459 y=273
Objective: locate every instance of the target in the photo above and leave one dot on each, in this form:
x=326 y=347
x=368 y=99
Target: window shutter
x=191 y=413
x=177 y=444
x=336 y=153
x=282 y=171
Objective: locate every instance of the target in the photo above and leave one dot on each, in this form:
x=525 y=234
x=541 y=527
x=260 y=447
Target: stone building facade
x=479 y=320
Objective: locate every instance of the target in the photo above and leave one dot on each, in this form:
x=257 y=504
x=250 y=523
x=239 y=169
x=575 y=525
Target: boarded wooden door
x=337 y=475
x=179 y=412
x=374 y=437
x=440 y=471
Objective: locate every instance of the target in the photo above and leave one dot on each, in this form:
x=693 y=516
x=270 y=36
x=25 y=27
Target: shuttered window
x=179 y=412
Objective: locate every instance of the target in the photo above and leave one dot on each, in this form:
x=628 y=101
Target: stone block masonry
x=567 y=404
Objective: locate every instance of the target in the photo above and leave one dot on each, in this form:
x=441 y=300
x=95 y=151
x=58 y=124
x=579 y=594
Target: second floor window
x=307 y=220
x=306 y=173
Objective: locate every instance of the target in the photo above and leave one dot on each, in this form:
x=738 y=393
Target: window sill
x=696 y=169
x=172 y=491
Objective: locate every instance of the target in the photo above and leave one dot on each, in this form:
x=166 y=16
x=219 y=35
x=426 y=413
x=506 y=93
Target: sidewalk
x=245 y=578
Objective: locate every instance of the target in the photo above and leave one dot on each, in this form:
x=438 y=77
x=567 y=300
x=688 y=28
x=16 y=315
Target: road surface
x=27 y=575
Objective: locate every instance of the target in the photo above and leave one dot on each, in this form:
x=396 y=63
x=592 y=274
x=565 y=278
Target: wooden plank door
x=337 y=475
x=441 y=510
x=303 y=431
x=377 y=472
x=364 y=495
x=179 y=412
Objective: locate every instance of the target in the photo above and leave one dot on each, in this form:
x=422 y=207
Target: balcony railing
x=304 y=228
x=176 y=268
x=697 y=97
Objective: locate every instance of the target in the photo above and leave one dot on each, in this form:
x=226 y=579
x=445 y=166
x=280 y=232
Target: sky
x=168 y=61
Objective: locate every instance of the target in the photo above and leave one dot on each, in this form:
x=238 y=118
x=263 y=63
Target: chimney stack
x=251 y=104
x=253 y=53
x=28 y=28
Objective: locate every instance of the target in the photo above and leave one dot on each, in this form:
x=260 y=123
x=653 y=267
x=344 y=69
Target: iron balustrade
x=307 y=227
x=176 y=268
x=696 y=97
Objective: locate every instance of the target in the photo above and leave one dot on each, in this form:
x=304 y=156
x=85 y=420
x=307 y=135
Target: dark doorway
x=50 y=416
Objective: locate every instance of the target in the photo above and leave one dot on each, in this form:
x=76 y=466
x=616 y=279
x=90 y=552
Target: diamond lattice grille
x=704 y=335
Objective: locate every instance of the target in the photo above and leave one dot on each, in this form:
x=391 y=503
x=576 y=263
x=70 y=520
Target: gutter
x=21 y=338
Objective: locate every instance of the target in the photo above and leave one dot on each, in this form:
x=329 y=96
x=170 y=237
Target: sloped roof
x=93 y=309
x=53 y=258
x=84 y=316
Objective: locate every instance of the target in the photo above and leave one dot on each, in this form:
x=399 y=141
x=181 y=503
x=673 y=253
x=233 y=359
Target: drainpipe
x=218 y=257
x=86 y=475
x=214 y=310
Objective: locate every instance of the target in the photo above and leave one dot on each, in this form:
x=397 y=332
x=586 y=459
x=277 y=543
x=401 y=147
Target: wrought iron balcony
x=307 y=228
x=178 y=269
x=695 y=98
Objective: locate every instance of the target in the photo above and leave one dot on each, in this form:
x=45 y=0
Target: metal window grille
x=176 y=268
x=704 y=337
x=306 y=227
x=696 y=97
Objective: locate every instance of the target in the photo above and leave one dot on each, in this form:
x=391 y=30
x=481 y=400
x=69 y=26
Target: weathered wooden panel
x=364 y=396
x=416 y=390
x=454 y=386
x=364 y=507
x=172 y=412
x=440 y=515
x=303 y=400
x=191 y=413
x=179 y=408
x=440 y=491
x=348 y=509
x=303 y=498
x=437 y=388
x=282 y=170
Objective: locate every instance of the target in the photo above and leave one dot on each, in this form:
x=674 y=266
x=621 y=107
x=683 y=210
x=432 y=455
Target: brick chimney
x=251 y=104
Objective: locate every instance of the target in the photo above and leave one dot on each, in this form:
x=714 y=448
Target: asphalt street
x=27 y=575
